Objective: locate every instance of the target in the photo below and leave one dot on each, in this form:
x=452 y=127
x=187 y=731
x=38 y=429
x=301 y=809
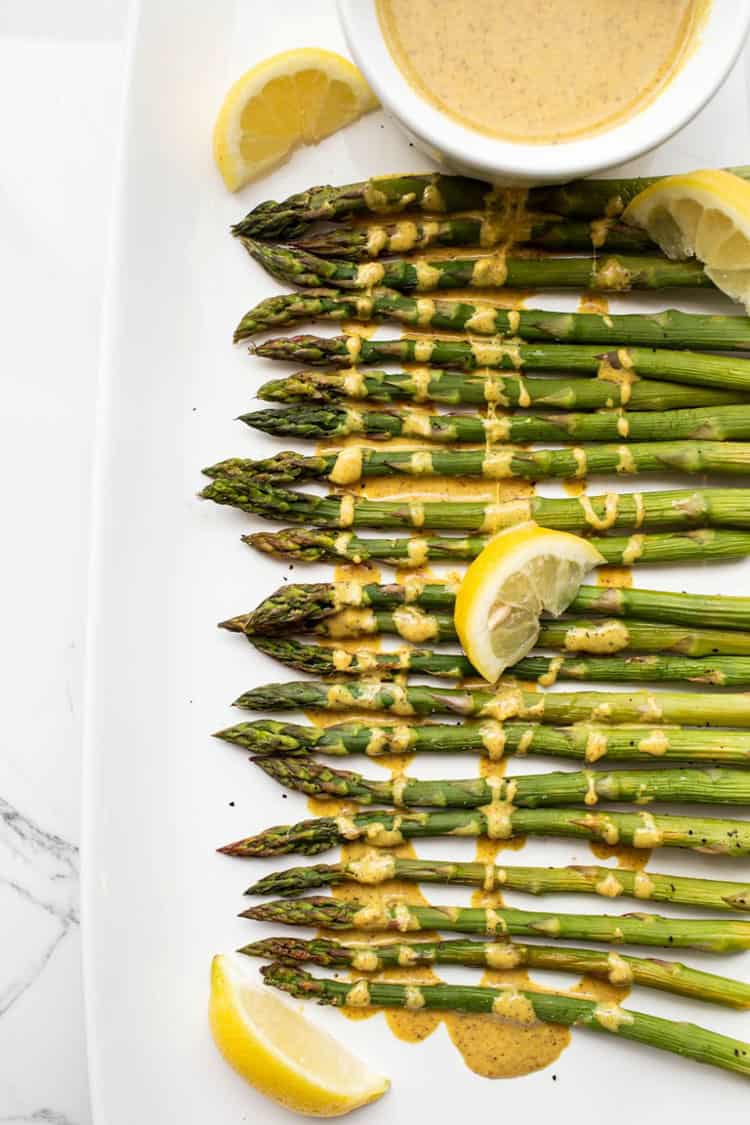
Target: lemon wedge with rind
x=279 y=1052
x=705 y=215
x=520 y=573
x=294 y=98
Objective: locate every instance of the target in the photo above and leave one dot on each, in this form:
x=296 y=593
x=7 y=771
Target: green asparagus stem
x=713 y=935
x=720 y=423
x=669 y=329
x=667 y=976
x=690 y=708
x=384 y=829
x=425 y=191
x=585 y=742
x=436 y=192
x=365 y=243
x=570 y=634
x=712 y=507
x=719 y=671
x=356 y=463
x=685 y=1039
x=589 y=198
x=607 y=882
x=302 y=606
x=303 y=545
x=319 y=660
x=495 y=271
x=453 y=388
x=527 y=791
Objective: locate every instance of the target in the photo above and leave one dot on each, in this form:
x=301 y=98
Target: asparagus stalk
x=689 y=708
x=453 y=388
x=720 y=423
x=584 y=741
x=607 y=882
x=589 y=198
x=436 y=192
x=712 y=507
x=384 y=829
x=310 y=545
x=712 y=935
x=494 y=271
x=669 y=329
x=685 y=1039
x=303 y=606
x=422 y=191
x=527 y=791
x=587 y=742
x=365 y=243
x=356 y=463
x=719 y=671
x=319 y=660
x=667 y=976
x=570 y=634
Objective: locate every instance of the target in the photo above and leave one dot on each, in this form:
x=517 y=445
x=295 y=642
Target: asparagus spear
x=712 y=935
x=719 y=671
x=589 y=198
x=584 y=741
x=425 y=191
x=528 y=791
x=690 y=708
x=436 y=192
x=429 y=384
x=319 y=660
x=384 y=829
x=494 y=271
x=365 y=243
x=667 y=329
x=712 y=507
x=667 y=976
x=311 y=545
x=607 y=882
x=685 y=1039
x=356 y=463
x=304 y=605
x=717 y=424
x=570 y=634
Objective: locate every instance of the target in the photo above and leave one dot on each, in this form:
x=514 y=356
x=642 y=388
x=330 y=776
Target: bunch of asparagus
x=627 y=394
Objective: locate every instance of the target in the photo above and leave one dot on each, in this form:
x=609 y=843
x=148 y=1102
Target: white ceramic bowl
x=447 y=141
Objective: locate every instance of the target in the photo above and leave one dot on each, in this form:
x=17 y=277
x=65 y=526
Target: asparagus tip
x=235 y=848
x=235 y=624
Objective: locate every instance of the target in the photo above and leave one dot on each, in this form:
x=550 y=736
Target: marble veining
x=38 y=898
x=46 y=1116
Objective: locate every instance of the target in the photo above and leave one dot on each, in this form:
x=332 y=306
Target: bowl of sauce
x=535 y=91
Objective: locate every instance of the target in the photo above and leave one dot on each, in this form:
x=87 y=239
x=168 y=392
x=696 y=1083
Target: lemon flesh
x=279 y=1052
x=296 y=97
x=520 y=573
x=704 y=215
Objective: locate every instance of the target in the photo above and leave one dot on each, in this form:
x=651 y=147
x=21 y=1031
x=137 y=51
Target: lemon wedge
x=297 y=97
x=279 y=1051
x=702 y=214
x=519 y=573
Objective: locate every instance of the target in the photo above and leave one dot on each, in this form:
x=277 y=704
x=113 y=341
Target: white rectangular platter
x=160 y=794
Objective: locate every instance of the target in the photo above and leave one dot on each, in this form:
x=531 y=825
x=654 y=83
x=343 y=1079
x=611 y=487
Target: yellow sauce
x=495 y=1047
x=492 y=1046
x=614 y=576
x=539 y=71
x=628 y=858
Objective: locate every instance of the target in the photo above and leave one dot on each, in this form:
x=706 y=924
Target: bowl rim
x=721 y=39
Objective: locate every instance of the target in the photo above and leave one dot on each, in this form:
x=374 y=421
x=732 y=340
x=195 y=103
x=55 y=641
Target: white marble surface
x=61 y=73
x=61 y=70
